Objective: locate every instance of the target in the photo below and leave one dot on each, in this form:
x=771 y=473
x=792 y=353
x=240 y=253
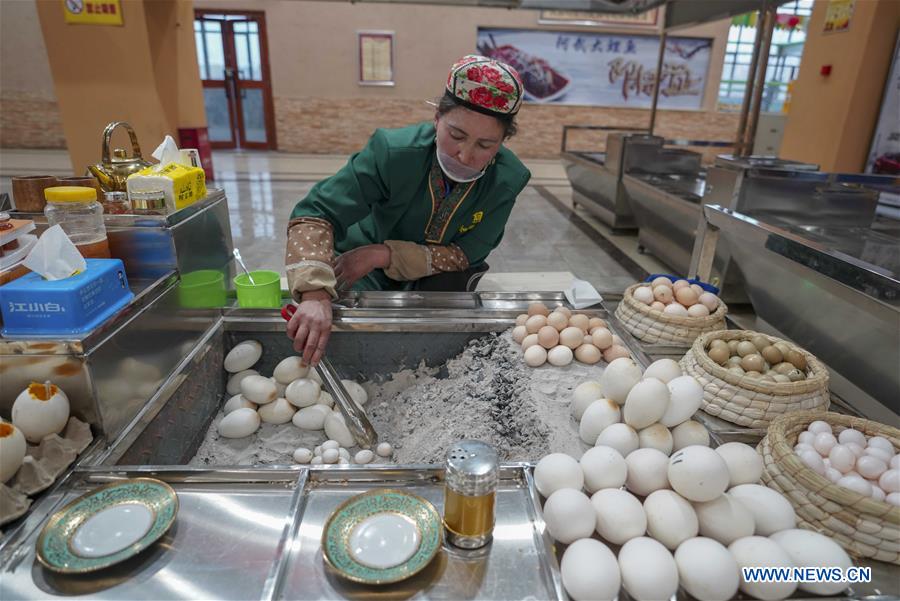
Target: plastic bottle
x=76 y=210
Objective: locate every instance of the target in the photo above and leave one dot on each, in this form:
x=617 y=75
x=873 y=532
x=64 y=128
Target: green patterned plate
x=107 y=525
x=382 y=536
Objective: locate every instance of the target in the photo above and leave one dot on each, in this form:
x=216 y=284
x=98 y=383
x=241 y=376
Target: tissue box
x=35 y=307
x=182 y=185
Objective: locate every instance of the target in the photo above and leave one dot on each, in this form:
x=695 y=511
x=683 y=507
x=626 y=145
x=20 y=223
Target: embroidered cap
x=485 y=85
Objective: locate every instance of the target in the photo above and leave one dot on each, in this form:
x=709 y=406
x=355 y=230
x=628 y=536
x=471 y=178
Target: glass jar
x=472 y=472
x=116 y=203
x=76 y=210
x=148 y=202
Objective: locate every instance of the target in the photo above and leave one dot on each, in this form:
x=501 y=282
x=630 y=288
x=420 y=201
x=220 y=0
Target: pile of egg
x=677 y=298
x=559 y=336
x=868 y=466
x=759 y=358
x=292 y=394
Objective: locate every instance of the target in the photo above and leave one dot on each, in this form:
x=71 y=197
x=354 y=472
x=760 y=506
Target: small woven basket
x=863 y=526
x=749 y=401
x=655 y=327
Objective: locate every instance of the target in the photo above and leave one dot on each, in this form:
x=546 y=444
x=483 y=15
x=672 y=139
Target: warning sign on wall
x=93 y=12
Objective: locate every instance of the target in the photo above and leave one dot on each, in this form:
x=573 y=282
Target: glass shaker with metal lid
x=470 y=485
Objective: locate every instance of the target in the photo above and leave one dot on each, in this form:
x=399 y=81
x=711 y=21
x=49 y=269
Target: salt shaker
x=470 y=486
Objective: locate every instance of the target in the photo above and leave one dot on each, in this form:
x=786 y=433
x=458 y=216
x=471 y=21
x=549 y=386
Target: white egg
x=824 y=442
x=325 y=399
x=620 y=437
x=832 y=474
x=759 y=551
x=356 y=391
x=603 y=467
x=311 y=418
x=589 y=571
x=290 y=369
x=277 y=412
x=317 y=460
x=364 y=457
x=619 y=378
x=880 y=442
x=343 y=461
x=620 y=515
x=384 y=449
x=819 y=427
x=707 y=570
x=664 y=370
x=239 y=423
x=656 y=437
x=688 y=434
x=850 y=435
x=806 y=438
x=556 y=471
x=331 y=444
x=800 y=447
x=724 y=519
x=870 y=467
x=857 y=449
x=889 y=481
x=647 y=471
x=569 y=515
x=560 y=356
x=643 y=294
x=238 y=402
x=330 y=456
x=709 y=300
x=649 y=572
x=344 y=453
x=602 y=338
x=698 y=473
x=583 y=395
x=529 y=341
x=243 y=356
x=535 y=356
x=646 y=403
x=519 y=333
x=12 y=450
x=302 y=392
x=40 y=410
x=895 y=462
x=878 y=452
x=303 y=455
x=877 y=493
x=676 y=309
x=813 y=461
x=745 y=464
x=259 y=389
x=233 y=386
x=841 y=458
x=685 y=398
x=698 y=310
x=813 y=550
x=670 y=518
x=336 y=428
x=596 y=418
x=772 y=512
x=893 y=499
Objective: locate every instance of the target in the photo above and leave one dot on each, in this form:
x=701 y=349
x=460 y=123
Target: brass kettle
x=116 y=167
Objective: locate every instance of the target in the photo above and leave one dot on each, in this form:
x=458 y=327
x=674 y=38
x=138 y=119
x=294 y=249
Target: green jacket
x=393 y=190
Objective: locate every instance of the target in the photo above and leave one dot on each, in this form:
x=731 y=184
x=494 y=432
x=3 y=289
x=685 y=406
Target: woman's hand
x=359 y=262
x=310 y=326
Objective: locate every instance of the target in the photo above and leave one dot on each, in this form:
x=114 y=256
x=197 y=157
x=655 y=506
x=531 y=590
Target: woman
x=420 y=207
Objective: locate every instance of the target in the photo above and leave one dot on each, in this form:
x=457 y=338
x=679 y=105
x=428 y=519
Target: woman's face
x=469 y=137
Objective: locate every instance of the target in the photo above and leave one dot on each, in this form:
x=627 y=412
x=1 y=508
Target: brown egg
x=753 y=362
x=538 y=309
x=530 y=341
x=558 y=320
x=571 y=337
x=663 y=294
x=617 y=341
x=783 y=368
x=679 y=284
x=698 y=289
x=783 y=346
x=564 y=310
x=760 y=342
x=535 y=323
x=588 y=339
x=548 y=337
x=772 y=355
x=519 y=333
x=596 y=322
x=580 y=321
x=736 y=369
x=719 y=355
x=734 y=361
x=796 y=359
x=686 y=297
x=615 y=352
x=767 y=378
x=521 y=319
x=588 y=353
x=744 y=348
x=718 y=342
x=602 y=338
x=657 y=306
x=754 y=374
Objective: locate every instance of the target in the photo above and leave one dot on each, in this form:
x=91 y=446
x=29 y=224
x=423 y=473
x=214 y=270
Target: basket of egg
x=842 y=475
x=750 y=378
x=670 y=312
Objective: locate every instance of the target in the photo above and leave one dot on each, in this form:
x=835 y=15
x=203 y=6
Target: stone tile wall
x=30 y=121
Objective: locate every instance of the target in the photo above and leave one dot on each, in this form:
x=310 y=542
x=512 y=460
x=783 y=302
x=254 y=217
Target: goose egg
x=535 y=323
x=851 y=435
x=589 y=571
x=336 y=428
x=664 y=370
x=535 y=356
x=819 y=427
x=583 y=395
x=670 y=518
x=311 y=418
x=646 y=403
x=616 y=351
x=259 y=389
x=643 y=294
x=772 y=512
x=238 y=402
x=303 y=455
x=724 y=519
x=325 y=399
x=596 y=418
x=745 y=464
x=538 y=309
x=581 y=322
x=811 y=549
x=290 y=369
x=548 y=337
x=676 y=309
x=588 y=354
x=356 y=391
x=603 y=467
x=302 y=392
x=233 y=386
x=602 y=338
x=706 y=570
x=656 y=437
x=521 y=319
x=569 y=515
x=529 y=341
x=889 y=481
x=619 y=378
x=280 y=388
x=243 y=356
x=557 y=471
x=620 y=437
x=685 y=398
x=759 y=551
x=277 y=412
x=330 y=456
x=519 y=333
x=558 y=321
x=620 y=516
x=698 y=473
x=824 y=442
x=841 y=457
x=688 y=434
x=239 y=423
x=647 y=471
x=571 y=337
x=364 y=457
x=648 y=570
x=559 y=356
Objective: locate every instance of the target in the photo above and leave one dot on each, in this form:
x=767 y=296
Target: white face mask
x=457 y=171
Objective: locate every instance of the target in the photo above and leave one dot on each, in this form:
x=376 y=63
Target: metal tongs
x=355 y=418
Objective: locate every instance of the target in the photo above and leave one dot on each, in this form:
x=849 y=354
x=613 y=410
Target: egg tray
x=654 y=327
x=43 y=464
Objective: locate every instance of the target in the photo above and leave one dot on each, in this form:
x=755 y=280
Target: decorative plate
x=107 y=525
x=382 y=536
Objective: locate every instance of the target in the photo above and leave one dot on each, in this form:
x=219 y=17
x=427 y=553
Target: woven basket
x=655 y=327
x=863 y=526
x=749 y=401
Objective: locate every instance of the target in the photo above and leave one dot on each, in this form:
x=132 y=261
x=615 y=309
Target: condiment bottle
x=76 y=210
x=116 y=203
x=470 y=486
x=148 y=202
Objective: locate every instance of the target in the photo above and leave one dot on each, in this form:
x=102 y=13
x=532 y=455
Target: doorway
x=234 y=66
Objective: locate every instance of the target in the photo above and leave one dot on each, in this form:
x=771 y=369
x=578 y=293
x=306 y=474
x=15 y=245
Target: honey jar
x=472 y=473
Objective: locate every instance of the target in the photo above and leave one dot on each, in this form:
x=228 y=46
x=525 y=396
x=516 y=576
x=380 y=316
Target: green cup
x=264 y=293
x=202 y=289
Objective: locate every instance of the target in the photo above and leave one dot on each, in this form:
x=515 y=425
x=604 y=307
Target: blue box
x=35 y=307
